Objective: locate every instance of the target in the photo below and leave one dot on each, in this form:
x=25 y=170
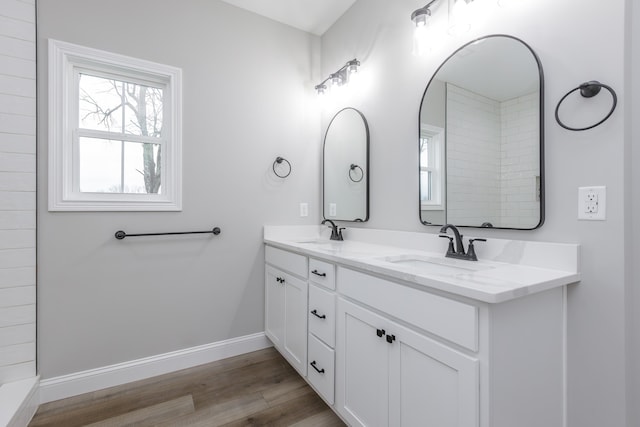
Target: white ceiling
x=498 y=68
x=312 y=16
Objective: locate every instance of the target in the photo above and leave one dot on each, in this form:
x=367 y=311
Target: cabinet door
x=430 y=384
x=295 y=323
x=362 y=366
x=274 y=306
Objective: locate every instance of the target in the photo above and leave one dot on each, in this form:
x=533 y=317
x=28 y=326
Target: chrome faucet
x=336 y=232
x=458 y=251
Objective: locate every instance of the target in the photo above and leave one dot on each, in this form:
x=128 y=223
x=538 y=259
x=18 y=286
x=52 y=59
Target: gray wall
x=632 y=168
x=248 y=98
x=576 y=40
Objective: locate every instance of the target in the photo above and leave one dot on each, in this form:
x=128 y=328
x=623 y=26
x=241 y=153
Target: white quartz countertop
x=509 y=269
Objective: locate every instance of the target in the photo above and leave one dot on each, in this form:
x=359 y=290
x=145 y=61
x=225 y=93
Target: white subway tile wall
x=17 y=190
x=492 y=152
x=473 y=157
x=519 y=203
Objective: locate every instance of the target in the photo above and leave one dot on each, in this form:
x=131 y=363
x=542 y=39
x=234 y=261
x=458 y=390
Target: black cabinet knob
x=391 y=339
x=380 y=332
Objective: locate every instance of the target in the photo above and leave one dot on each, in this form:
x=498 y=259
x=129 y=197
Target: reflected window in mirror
x=431 y=168
x=487 y=99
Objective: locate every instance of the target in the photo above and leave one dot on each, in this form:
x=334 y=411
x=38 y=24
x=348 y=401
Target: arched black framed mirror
x=346 y=167
x=481 y=133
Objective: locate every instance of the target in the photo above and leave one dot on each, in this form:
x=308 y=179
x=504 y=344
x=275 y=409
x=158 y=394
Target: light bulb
x=421 y=40
x=459 y=19
x=336 y=79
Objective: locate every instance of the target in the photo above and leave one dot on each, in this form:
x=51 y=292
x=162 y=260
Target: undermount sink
x=433 y=265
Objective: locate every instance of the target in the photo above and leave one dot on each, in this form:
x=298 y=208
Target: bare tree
x=146 y=105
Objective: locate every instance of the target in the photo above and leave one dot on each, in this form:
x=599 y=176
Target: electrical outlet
x=333 y=209
x=304 y=209
x=592 y=203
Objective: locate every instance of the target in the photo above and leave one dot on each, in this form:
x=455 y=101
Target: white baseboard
x=18 y=402
x=134 y=370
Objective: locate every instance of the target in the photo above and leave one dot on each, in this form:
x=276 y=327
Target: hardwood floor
x=254 y=389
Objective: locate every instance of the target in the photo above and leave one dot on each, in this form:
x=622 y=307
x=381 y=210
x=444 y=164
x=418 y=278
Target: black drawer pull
x=319 y=316
x=279 y=280
x=318 y=273
x=380 y=332
x=313 y=365
x=391 y=339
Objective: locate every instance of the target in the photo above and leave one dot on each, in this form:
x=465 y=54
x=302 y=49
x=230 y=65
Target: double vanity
x=384 y=326
x=390 y=332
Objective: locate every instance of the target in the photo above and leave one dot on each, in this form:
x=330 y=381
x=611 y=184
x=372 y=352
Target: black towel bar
x=121 y=234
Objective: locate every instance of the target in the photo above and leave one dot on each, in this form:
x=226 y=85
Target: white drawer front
x=322 y=273
x=449 y=319
x=287 y=261
x=322 y=314
x=321 y=368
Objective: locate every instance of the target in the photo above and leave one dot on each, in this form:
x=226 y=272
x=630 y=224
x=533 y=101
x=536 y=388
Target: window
x=432 y=192
x=114 y=132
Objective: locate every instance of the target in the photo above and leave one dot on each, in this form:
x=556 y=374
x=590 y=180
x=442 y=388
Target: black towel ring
x=352 y=168
x=278 y=161
x=588 y=90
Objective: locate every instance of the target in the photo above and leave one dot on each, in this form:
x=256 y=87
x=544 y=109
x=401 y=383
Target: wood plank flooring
x=254 y=389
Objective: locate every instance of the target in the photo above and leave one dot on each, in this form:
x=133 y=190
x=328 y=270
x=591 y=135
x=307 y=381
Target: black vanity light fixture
x=458 y=11
x=458 y=14
x=459 y=21
x=340 y=77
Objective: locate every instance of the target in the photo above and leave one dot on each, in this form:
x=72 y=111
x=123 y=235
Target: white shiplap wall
x=17 y=190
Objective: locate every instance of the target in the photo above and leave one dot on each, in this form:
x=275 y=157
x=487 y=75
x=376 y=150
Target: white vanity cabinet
x=390 y=375
x=286 y=305
x=409 y=357
x=383 y=350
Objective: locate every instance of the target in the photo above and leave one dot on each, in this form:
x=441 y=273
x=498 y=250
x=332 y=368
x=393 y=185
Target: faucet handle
x=450 y=249
x=340 y=233
x=476 y=240
x=471 y=252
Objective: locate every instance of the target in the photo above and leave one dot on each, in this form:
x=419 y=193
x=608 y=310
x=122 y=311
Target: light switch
x=333 y=209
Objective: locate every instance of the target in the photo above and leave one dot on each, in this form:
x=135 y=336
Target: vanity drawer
x=322 y=314
x=287 y=261
x=322 y=273
x=321 y=368
x=447 y=318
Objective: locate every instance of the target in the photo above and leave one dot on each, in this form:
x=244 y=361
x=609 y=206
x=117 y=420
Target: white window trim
x=64 y=58
x=437 y=135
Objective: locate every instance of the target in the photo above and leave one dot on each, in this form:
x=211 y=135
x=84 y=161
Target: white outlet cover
x=333 y=208
x=592 y=203
x=304 y=209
